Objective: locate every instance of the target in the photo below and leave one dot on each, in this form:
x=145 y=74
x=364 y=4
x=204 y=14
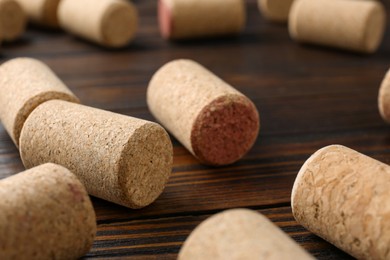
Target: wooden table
x=308 y=97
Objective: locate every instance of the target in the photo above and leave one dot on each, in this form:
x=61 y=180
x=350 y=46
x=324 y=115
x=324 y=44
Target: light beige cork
x=45 y=213
x=118 y=158
x=343 y=196
x=384 y=98
x=183 y=19
x=12 y=20
x=42 y=12
x=275 y=10
x=214 y=121
x=110 y=23
x=240 y=234
x=25 y=83
x=347 y=24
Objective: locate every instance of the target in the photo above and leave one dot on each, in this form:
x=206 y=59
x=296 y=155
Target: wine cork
x=342 y=196
x=384 y=98
x=118 y=158
x=240 y=234
x=110 y=23
x=346 y=24
x=25 y=83
x=42 y=12
x=12 y=20
x=183 y=19
x=214 y=121
x=45 y=213
x=275 y=10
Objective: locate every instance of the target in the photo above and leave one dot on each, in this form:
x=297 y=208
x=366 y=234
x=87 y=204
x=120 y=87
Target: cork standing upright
x=275 y=10
x=12 y=20
x=343 y=196
x=42 y=12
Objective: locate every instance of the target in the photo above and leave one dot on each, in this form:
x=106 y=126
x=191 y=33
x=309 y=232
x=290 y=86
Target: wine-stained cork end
x=375 y=27
x=165 y=19
x=13 y=20
x=384 y=98
x=225 y=130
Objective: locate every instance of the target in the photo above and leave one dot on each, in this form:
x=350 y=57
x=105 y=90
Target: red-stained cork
x=214 y=121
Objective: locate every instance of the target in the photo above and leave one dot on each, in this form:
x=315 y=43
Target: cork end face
x=293 y=19
x=225 y=130
x=49 y=15
x=119 y=25
x=165 y=19
x=275 y=10
x=145 y=165
x=375 y=27
x=13 y=20
x=384 y=98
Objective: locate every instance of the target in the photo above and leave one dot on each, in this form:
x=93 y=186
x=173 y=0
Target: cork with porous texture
x=240 y=234
x=214 y=121
x=45 y=213
x=118 y=158
x=347 y=24
x=110 y=23
x=384 y=98
x=25 y=83
x=343 y=196
x=12 y=20
x=183 y=19
x=275 y=10
x=42 y=12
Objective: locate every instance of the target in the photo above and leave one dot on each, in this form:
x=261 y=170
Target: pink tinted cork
x=25 y=83
x=240 y=234
x=347 y=24
x=343 y=196
x=12 y=20
x=110 y=23
x=214 y=121
x=118 y=158
x=384 y=98
x=275 y=10
x=42 y=12
x=45 y=213
x=183 y=19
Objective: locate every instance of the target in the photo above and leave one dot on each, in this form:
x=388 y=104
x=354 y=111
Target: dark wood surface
x=308 y=97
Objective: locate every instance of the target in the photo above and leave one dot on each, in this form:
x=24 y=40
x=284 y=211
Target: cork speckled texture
x=118 y=158
x=384 y=98
x=45 y=213
x=183 y=19
x=42 y=12
x=12 y=20
x=347 y=24
x=25 y=83
x=211 y=119
x=110 y=23
x=275 y=10
x=342 y=196
x=240 y=234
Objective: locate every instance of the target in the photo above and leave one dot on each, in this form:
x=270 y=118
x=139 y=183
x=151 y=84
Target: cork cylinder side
x=347 y=24
x=12 y=20
x=384 y=98
x=42 y=12
x=183 y=19
x=240 y=234
x=25 y=83
x=275 y=10
x=214 y=121
x=45 y=213
x=342 y=196
x=110 y=23
x=118 y=158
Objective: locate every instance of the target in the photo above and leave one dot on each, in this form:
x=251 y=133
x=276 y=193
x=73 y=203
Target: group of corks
x=71 y=149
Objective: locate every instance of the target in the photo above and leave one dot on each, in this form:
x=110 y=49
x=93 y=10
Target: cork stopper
x=184 y=19
x=12 y=20
x=118 y=158
x=346 y=24
x=342 y=196
x=45 y=213
x=240 y=234
x=110 y=23
x=42 y=12
x=25 y=83
x=214 y=121
x=384 y=98
x=275 y=10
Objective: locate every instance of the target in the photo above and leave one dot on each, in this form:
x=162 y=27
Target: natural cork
x=384 y=98
x=42 y=12
x=25 y=83
x=214 y=121
x=347 y=24
x=240 y=234
x=110 y=23
x=275 y=10
x=12 y=20
x=342 y=196
x=118 y=158
x=183 y=19
x=45 y=213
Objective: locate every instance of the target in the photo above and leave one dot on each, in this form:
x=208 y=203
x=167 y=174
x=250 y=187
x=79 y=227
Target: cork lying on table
x=12 y=20
x=384 y=98
x=42 y=12
x=214 y=121
x=118 y=158
x=347 y=24
x=275 y=10
x=239 y=234
x=182 y=19
x=110 y=23
x=45 y=213
x=343 y=196
x=25 y=83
